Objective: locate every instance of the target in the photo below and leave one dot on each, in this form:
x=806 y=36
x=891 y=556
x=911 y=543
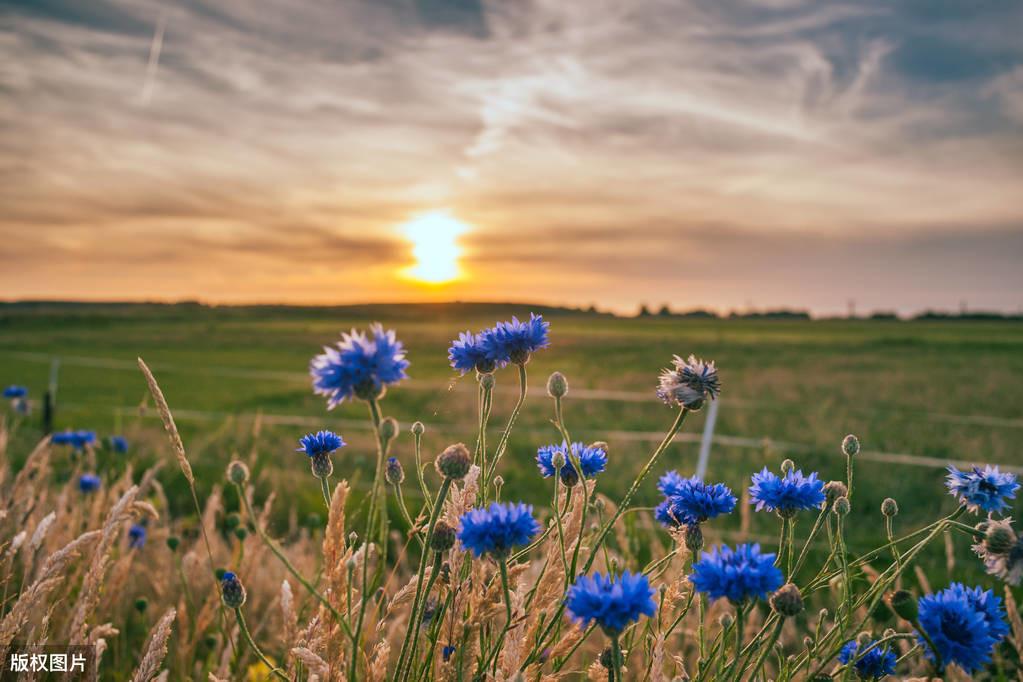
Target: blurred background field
x=917 y=393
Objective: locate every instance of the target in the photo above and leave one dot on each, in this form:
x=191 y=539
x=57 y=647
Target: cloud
x=277 y=138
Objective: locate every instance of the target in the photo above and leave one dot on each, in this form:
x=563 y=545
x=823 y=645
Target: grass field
x=943 y=390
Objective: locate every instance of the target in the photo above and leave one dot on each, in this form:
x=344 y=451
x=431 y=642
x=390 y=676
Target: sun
x=434 y=238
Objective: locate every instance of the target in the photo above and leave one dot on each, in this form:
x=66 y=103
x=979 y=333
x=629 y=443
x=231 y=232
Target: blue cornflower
x=497 y=529
x=137 y=536
x=787 y=495
x=76 y=439
x=119 y=444
x=964 y=623
x=515 y=341
x=87 y=483
x=360 y=365
x=739 y=574
x=612 y=603
x=592 y=461
x=320 y=443
x=980 y=490
x=689 y=501
x=446 y=652
x=875 y=664
x=15 y=391
x=688 y=383
x=468 y=353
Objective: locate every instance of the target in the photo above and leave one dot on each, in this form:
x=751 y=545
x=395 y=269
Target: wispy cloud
x=283 y=140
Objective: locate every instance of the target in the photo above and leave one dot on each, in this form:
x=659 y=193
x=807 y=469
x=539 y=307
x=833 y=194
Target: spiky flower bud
x=889 y=507
x=454 y=462
x=558 y=460
x=352 y=537
x=851 y=445
x=418 y=428
x=787 y=465
x=443 y=537
x=834 y=490
x=903 y=603
x=231 y=590
x=321 y=464
x=726 y=619
x=237 y=473
x=693 y=537
x=389 y=428
x=808 y=642
x=393 y=472
x=842 y=506
x=487 y=381
x=232 y=520
x=141 y=604
x=557 y=385
x=607 y=658
x=350 y=565
x=241 y=532
x=173 y=542
x=787 y=601
x=999 y=538
x=498 y=483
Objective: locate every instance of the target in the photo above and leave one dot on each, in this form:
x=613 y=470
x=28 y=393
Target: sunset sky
x=705 y=154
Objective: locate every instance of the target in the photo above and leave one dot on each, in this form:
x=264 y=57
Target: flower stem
x=615 y=671
x=255 y=649
x=502 y=443
x=325 y=489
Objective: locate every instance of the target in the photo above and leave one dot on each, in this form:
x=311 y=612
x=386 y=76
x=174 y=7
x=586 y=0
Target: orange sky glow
x=585 y=152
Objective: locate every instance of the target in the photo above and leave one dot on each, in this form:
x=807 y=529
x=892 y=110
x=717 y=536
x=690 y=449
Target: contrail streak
x=154 y=59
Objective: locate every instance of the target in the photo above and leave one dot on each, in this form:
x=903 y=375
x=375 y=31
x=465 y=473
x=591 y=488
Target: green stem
x=502 y=443
x=502 y=564
x=272 y=546
x=410 y=633
x=616 y=660
x=325 y=489
x=418 y=448
x=255 y=649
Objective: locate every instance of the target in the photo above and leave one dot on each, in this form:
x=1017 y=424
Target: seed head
x=394 y=473
x=443 y=537
x=842 y=506
x=231 y=591
x=454 y=462
x=889 y=507
x=851 y=445
x=557 y=385
x=787 y=466
x=787 y=601
x=418 y=428
x=237 y=473
x=903 y=603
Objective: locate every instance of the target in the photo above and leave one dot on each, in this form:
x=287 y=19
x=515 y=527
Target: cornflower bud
x=889 y=507
x=389 y=428
x=141 y=604
x=418 y=428
x=787 y=601
x=237 y=473
x=241 y=532
x=557 y=385
x=851 y=445
x=173 y=542
x=487 y=381
x=787 y=465
x=834 y=490
x=903 y=603
x=726 y=619
x=393 y=472
x=443 y=537
x=454 y=462
x=999 y=538
x=842 y=506
x=693 y=537
x=231 y=591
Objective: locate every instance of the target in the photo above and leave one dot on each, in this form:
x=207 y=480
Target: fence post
x=705 y=440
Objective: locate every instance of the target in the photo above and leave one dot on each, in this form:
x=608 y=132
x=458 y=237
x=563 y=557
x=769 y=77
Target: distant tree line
x=793 y=314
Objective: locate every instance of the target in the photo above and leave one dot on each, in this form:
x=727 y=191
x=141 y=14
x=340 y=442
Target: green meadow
x=916 y=393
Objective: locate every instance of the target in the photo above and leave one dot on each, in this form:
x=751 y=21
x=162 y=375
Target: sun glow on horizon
x=434 y=238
